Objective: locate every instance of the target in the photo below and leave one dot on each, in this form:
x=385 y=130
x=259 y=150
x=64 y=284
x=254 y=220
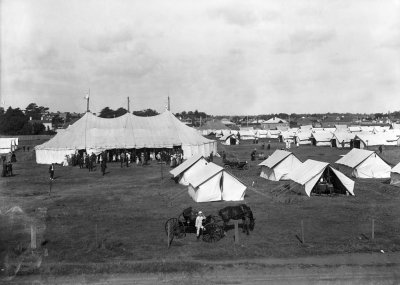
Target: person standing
x=122 y=159
x=103 y=166
x=51 y=171
x=199 y=224
x=211 y=156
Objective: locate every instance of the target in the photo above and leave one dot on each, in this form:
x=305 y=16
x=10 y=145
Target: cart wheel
x=212 y=233
x=227 y=166
x=246 y=166
x=177 y=229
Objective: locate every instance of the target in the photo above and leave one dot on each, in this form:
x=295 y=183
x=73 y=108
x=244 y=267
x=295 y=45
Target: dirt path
x=363 y=268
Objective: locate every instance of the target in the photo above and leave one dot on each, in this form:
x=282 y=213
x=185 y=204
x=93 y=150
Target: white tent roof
x=396 y=169
x=307 y=171
x=354 y=157
x=343 y=136
x=275 y=158
x=372 y=139
x=213 y=183
x=322 y=136
x=225 y=137
x=304 y=135
x=275 y=120
x=206 y=173
x=185 y=165
x=355 y=129
x=310 y=171
x=127 y=131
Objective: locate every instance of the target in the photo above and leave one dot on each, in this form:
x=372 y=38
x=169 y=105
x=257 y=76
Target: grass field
x=91 y=223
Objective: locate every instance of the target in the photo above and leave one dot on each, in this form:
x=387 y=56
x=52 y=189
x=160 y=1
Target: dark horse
x=239 y=212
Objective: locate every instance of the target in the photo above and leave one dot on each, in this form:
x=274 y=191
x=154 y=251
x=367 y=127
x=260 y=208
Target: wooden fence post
x=236 y=222
x=373 y=229
x=302 y=232
x=33 y=237
x=168 y=235
x=97 y=243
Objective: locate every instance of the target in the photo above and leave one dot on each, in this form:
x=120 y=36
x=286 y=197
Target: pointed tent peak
x=185 y=165
x=275 y=158
x=354 y=157
x=308 y=170
x=206 y=172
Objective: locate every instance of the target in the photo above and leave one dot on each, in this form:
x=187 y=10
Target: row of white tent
x=376 y=135
x=343 y=138
x=284 y=165
x=208 y=181
x=8 y=145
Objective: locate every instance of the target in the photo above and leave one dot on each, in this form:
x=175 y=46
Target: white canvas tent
x=303 y=137
x=395 y=175
x=273 y=134
x=96 y=134
x=342 y=139
x=230 y=139
x=247 y=134
x=363 y=140
x=308 y=175
x=213 y=183
x=8 y=145
x=277 y=166
x=364 y=164
x=321 y=138
x=184 y=172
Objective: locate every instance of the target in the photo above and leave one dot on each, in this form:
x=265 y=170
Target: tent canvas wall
x=125 y=132
x=395 y=175
x=303 y=138
x=184 y=172
x=364 y=164
x=213 y=183
x=307 y=176
x=8 y=145
x=342 y=139
x=230 y=139
x=246 y=134
x=321 y=138
x=278 y=165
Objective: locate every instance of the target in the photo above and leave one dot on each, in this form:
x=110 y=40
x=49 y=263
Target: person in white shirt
x=199 y=223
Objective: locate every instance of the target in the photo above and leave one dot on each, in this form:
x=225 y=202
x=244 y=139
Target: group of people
x=7 y=161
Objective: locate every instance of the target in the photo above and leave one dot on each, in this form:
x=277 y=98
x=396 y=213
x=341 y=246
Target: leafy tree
x=57 y=121
x=2 y=111
x=146 y=113
x=106 y=113
x=38 y=128
x=35 y=111
x=12 y=121
x=119 y=112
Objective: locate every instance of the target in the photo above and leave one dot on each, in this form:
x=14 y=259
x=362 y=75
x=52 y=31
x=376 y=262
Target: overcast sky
x=220 y=57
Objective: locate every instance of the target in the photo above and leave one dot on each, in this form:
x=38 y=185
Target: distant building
x=274 y=123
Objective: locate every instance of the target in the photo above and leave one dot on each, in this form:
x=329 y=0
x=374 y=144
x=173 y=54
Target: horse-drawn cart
x=185 y=223
x=236 y=164
x=214 y=226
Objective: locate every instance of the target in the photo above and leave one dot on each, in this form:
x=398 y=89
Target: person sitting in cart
x=199 y=223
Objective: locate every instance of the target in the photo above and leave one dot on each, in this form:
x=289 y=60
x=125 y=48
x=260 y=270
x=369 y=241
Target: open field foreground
x=114 y=224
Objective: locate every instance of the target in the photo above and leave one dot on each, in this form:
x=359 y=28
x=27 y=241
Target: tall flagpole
x=87 y=101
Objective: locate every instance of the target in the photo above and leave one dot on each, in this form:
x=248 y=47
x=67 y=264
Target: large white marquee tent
x=95 y=134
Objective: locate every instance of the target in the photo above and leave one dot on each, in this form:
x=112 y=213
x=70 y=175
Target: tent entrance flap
x=329 y=183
